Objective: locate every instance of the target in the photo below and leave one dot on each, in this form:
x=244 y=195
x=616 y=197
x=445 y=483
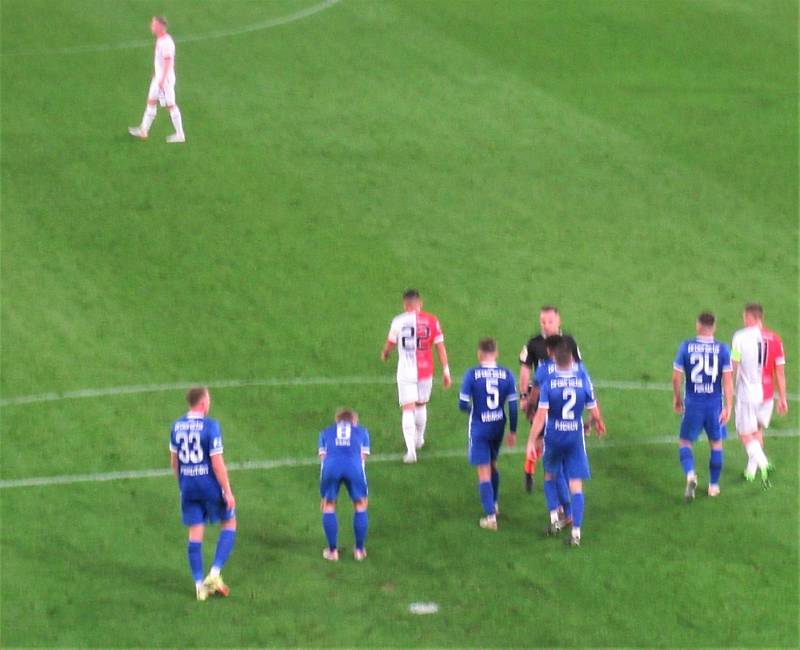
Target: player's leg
x=193 y=516
x=356 y=484
x=691 y=425
x=714 y=431
x=421 y=411
x=329 y=491
x=576 y=463
x=495 y=477
x=564 y=499
x=174 y=114
x=485 y=491
x=747 y=428
x=408 y=395
x=763 y=418
x=149 y=115
x=225 y=544
x=551 y=462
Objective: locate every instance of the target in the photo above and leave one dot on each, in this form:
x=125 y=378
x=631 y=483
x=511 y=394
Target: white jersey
x=415 y=334
x=748 y=350
x=165 y=49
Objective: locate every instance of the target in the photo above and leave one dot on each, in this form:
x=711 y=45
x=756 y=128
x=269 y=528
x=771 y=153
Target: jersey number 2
x=569 y=397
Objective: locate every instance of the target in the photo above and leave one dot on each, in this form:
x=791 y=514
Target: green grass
x=632 y=162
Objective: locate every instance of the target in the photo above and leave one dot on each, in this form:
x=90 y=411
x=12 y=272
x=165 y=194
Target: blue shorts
x=697 y=418
x=332 y=476
x=205 y=511
x=484 y=445
x=567 y=453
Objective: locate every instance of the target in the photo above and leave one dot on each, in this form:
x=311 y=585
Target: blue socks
x=687 y=459
x=330 y=524
x=360 y=529
x=487 y=497
x=551 y=494
x=577 y=509
x=715 y=466
x=227 y=538
x=496 y=485
x=562 y=486
x=195 y=552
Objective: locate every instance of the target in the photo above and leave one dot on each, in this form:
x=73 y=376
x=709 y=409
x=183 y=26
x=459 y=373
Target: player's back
x=703 y=360
x=566 y=393
x=195 y=439
x=748 y=351
x=489 y=388
x=344 y=443
x=774 y=356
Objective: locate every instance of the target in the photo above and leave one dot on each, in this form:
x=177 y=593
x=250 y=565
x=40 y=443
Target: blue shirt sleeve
x=544 y=395
x=513 y=401
x=725 y=357
x=591 y=401
x=215 y=446
x=365 y=442
x=173 y=445
x=679 y=358
x=465 y=394
x=321 y=446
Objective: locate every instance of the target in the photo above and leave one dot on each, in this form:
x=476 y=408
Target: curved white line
x=277 y=382
x=67 y=479
x=222 y=33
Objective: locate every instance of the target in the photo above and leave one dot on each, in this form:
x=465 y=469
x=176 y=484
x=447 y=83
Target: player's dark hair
x=563 y=354
x=552 y=308
x=487 y=345
x=346 y=414
x=755 y=309
x=195 y=394
x=706 y=319
x=553 y=341
x=161 y=19
x=410 y=294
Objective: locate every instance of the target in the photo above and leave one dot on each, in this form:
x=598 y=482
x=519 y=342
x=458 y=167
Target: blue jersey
x=344 y=443
x=195 y=439
x=702 y=360
x=544 y=370
x=485 y=390
x=565 y=393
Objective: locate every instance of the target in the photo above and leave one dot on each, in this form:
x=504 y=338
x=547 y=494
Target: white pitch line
x=222 y=33
x=67 y=479
x=277 y=382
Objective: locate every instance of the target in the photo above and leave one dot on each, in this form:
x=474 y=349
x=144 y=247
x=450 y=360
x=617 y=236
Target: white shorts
x=414 y=391
x=165 y=97
x=752 y=417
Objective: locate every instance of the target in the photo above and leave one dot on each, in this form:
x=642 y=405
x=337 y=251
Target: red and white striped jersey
x=415 y=334
x=757 y=351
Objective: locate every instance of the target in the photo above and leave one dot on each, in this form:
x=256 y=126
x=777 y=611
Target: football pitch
x=633 y=162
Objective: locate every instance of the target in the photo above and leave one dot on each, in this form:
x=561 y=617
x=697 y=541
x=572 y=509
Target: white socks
x=409 y=430
x=420 y=420
x=755 y=455
x=177 y=122
x=148 y=117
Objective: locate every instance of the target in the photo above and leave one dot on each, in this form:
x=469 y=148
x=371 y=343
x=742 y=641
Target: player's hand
x=512 y=439
x=677 y=405
x=447 y=380
x=599 y=426
x=783 y=406
x=530 y=449
x=384 y=355
x=230 y=501
x=725 y=415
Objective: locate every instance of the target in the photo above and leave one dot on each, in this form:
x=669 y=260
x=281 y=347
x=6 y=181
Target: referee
x=533 y=353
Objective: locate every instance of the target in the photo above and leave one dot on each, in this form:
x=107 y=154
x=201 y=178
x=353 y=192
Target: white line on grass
x=67 y=479
x=222 y=33
x=277 y=382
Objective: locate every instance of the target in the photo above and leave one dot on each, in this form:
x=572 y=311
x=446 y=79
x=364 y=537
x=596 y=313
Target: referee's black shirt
x=534 y=351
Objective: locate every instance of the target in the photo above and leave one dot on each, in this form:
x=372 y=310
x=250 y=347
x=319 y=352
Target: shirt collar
x=194 y=414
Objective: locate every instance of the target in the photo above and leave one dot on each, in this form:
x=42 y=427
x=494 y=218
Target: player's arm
x=727 y=391
x=780 y=381
x=539 y=420
x=677 y=388
x=221 y=474
x=597 y=419
x=513 y=415
x=173 y=459
x=168 y=63
x=524 y=382
x=387 y=349
x=441 y=351
x=465 y=394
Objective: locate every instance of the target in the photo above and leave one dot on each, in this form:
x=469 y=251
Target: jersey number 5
x=492 y=394
x=185 y=454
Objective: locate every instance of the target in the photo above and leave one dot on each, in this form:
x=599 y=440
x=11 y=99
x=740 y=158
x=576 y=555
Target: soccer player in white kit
x=162 y=85
x=414 y=333
x=758 y=364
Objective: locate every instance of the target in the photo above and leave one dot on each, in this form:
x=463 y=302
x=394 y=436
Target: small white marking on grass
x=84 y=393
x=222 y=33
x=594 y=445
x=423 y=608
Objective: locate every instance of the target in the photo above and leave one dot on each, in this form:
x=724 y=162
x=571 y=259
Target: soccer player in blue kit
x=485 y=390
x=343 y=450
x=196 y=455
x=705 y=363
x=563 y=396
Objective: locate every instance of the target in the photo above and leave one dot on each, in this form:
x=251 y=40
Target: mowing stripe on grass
x=67 y=479
x=222 y=33
x=84 y=393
